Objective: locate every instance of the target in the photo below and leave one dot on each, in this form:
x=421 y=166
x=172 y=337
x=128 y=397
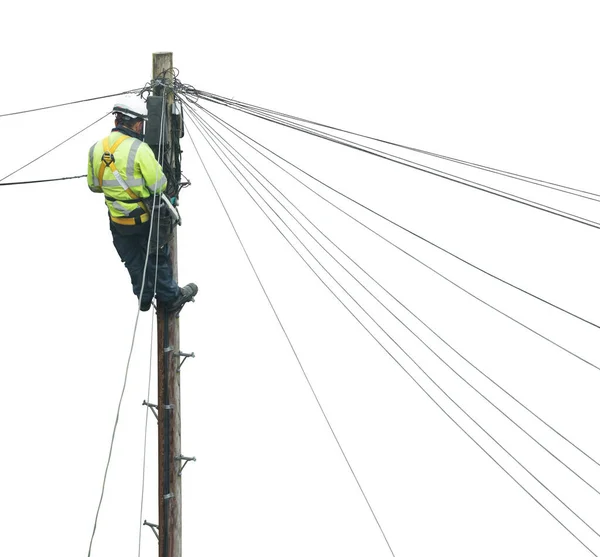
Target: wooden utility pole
x=169 y=411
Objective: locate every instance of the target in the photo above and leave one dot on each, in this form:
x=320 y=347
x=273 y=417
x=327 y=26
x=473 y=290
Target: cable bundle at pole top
x=319 y=130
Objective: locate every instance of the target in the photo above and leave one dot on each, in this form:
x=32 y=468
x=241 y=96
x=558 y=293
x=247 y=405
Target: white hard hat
x=133 y=107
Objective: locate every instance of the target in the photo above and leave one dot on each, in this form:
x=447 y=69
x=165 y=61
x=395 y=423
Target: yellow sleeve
x=92 y=183
x=151 y=171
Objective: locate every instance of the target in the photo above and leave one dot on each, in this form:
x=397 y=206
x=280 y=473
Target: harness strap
x=129 y=221
x=108 y=160
x=108 y=157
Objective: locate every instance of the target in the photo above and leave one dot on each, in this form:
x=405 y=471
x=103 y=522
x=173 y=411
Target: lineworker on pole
x=125 y=170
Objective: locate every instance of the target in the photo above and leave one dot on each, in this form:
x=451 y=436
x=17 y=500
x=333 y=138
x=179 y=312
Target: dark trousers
x=131 y=244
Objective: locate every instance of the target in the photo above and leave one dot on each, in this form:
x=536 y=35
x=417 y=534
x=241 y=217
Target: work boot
x=186 y=294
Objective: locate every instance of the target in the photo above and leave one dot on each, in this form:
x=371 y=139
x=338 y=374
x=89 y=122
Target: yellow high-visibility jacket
x=139 y=171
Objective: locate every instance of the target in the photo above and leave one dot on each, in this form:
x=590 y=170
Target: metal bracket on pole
x=154 y=528
x=186 y=459
x=185 y=357
x=153 y=407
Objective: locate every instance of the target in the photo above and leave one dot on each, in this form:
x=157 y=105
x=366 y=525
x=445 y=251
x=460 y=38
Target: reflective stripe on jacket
x=136 y=164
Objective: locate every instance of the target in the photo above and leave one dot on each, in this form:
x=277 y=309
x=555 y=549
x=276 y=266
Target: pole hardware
x=167 y=330
x=185 y=357
x=153 y=407
x=186 y=459
x=174 y=212
x=154 y=528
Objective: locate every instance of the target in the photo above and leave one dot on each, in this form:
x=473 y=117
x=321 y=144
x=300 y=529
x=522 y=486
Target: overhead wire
x=536 y=181
x=53 y=148
x=295 y=353
x=423 y=168
x=125 y=380
x=397 y=225
x=520 y=323
x=256 y=171
x=221 y=140
x=436 y=172
x=402 y=367
x=161 y=153
x=42 y=181
x=244 y=138
x=69 y=103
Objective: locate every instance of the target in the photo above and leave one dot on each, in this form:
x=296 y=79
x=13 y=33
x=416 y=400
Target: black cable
x=41 y=181
x=433 y=171
x=207 y=126
x=424 y=264
x=426 y=169
x=53 y=148
x=246 y=163
x=69 y=103
x=404 y=369
x=506 y=173
x=402 y=227
x=239 y=134
x=295 y=355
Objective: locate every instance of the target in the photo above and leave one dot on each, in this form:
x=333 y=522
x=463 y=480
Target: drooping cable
x=112 y=440
x=42 y=181
x=494 y=308
x=243 y=137
x=222 y=142
x=125 y=379
x=535 y=181
x=429 y=378
x=424 y=168
x=254 y=173
x=414 y=362
x=161 y=152
x=387 y=219
x=145 y=444
x=297 y=358
x=69 y=103
x=53 y=148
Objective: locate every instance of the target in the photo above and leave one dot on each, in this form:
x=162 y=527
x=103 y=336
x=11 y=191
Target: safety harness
x=108 y=160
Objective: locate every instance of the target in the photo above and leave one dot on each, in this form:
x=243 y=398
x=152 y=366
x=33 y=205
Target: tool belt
x=163 y=225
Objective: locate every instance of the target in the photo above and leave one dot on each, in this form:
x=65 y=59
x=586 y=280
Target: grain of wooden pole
x=169 y=412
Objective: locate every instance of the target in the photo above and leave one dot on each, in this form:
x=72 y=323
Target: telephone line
x=239 y=134
x=404 y=369
x=536 y=181
x=69 y=103
x=432 y=171
x=42 y=181
x=554 y=343
x=280 y=118
x=230 y=148
x=53 y=148
x=539 y=298
x=296 y=355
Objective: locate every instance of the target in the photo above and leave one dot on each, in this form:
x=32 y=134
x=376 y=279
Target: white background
x=507 y=84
